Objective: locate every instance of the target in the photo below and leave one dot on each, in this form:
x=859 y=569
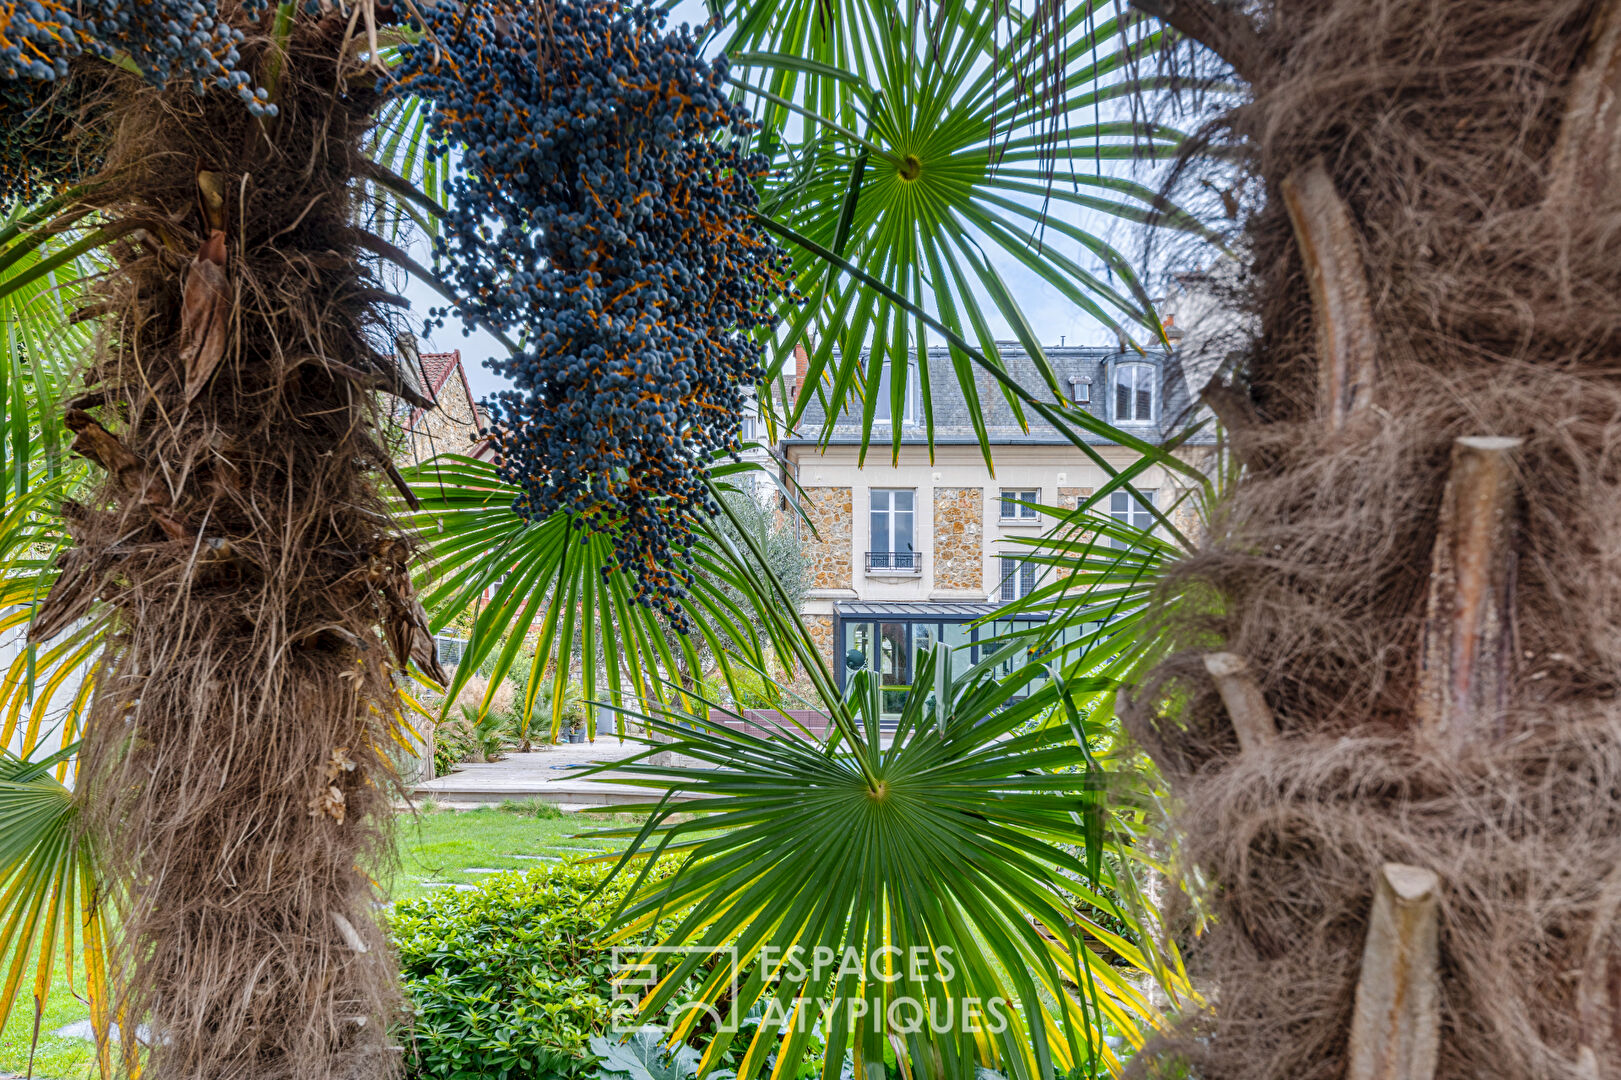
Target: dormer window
x=881 y=413
x=1135 y=391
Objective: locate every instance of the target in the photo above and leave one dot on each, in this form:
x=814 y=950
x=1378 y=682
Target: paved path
x=547 y=772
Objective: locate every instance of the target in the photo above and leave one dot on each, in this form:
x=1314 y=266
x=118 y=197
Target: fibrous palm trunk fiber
x=235 y=752
x=1434 y=254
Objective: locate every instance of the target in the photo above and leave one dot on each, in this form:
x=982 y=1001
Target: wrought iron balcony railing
x=894 y=562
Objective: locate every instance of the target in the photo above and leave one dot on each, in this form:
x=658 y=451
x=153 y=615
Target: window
x=1018 y=577
x=891 y=541
x=881 y=408
x=1132 y=509
x=1012 y=511
x=1134 y=392
x=747 y=432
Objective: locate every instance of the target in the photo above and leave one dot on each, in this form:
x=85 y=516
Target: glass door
x=895 y=666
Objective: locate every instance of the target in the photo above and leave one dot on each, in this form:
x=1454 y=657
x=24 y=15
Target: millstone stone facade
x=454 y=425
x=959 y=538
x=829 y=551
x=919 y=540
x=820 y=628
x=1070 y=497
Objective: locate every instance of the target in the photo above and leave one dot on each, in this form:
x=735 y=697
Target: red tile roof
x=437 y=368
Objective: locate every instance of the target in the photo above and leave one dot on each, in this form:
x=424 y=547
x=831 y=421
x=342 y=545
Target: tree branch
x=1587 y=157
x=1225 y=32
x=1347 y=336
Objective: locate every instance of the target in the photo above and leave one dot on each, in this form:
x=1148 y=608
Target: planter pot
x=576 y=736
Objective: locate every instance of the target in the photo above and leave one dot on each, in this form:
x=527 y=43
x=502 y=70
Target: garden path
x=547 y=772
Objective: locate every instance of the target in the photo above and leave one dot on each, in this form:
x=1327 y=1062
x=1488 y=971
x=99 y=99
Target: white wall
x=1045 y=467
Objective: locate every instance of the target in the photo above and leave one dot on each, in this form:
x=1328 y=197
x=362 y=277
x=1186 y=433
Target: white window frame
x=1136 y=369
x=1132 y=508
x=1014 y=514
x=1019 y=577
x=909 y=407
x=890 y=514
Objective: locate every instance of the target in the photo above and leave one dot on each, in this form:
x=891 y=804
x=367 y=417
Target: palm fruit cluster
x=36 y=158
x=170 y=41
x=603 y=210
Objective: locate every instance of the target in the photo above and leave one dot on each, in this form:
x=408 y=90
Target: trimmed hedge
x=506 y=981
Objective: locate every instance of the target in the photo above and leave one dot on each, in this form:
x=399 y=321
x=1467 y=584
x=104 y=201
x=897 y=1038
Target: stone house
x=909 y=550
x=455 y=424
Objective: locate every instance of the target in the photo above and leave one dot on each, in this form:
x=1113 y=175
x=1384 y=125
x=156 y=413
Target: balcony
x=894 y=563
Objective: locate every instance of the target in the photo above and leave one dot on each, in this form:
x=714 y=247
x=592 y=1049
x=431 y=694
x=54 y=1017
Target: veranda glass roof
x=928 y=611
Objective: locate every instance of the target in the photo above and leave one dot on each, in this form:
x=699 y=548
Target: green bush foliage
x=452 y=744
x=753 y=692
x=507 y=981
x=539 y=809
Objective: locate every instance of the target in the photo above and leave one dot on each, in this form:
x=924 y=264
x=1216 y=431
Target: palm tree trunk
x=236 y=748
x=1419 y=571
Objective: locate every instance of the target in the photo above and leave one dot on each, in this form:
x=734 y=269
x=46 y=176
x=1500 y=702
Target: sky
x=1055 y=319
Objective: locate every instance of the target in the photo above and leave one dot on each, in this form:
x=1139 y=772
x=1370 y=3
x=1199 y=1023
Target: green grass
x=435 y=846
x=441 y=846
x=59 y=1059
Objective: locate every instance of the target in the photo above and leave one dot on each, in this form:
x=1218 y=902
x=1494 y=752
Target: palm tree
x=1001 y=827
x=838 y=204
x=242 y=570
x=1399 y=779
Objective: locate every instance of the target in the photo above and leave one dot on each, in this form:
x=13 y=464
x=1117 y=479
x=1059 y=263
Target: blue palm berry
x=170 y=41
x=604 y=206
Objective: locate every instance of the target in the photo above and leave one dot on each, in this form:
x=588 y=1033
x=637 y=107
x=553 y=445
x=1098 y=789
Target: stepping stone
x=482 y=870
x=542 y=858
x=458 y=886
x=83 y=1029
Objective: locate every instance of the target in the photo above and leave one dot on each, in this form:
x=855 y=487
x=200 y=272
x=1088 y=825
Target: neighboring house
x=455 y=424
x=911 y=552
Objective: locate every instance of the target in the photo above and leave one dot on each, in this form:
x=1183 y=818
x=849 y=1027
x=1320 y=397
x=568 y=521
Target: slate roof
x=1090 y=364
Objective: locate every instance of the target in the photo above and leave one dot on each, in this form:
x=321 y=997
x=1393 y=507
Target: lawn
x=446 y=848
x=57 y=1058
x=437 y=849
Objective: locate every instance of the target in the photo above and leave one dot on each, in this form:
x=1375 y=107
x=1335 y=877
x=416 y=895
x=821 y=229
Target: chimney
x=801 y=366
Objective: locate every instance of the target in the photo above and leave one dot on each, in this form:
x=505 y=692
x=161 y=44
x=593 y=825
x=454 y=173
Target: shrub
x=504 y=701
x=753 y=692
x=645 y=1057
x=507 y=981
x=573 y=714
x=452 y=743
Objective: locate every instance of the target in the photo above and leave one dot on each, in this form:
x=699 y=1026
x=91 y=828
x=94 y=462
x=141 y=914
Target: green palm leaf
x=901 y=152
x=50 y=903
x=547 y=580
x=959 y=838
x=49 y=891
